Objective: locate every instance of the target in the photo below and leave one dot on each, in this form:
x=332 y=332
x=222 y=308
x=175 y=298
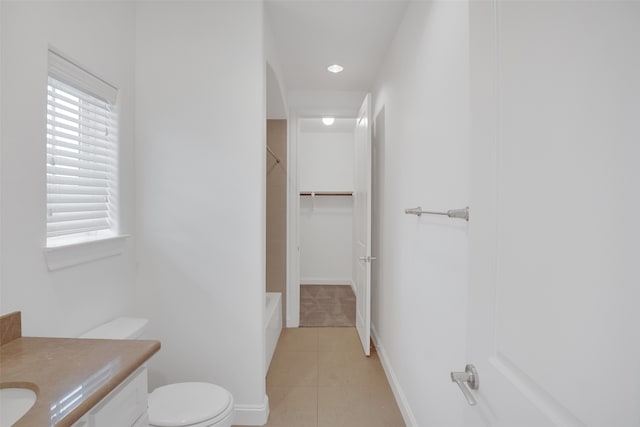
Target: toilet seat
x=190 y=404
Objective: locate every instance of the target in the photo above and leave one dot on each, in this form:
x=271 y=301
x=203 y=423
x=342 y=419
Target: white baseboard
x=401 y=399
x=316 y=281
x=353 y=286
x=252 y=415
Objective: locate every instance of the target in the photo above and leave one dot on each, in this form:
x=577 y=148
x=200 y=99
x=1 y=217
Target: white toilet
x=190 y=404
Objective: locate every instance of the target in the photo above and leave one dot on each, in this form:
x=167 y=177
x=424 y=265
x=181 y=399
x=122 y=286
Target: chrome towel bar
x=453 y=213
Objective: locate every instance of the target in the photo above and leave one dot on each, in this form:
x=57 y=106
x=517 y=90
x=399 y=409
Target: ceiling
x=310 y=35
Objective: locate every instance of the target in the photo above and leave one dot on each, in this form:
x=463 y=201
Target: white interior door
x=554 y=234
x=362 y=224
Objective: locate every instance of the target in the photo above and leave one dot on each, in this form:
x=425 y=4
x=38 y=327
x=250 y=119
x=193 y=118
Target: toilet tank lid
x=122 y=328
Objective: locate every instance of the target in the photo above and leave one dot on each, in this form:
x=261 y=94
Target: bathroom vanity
x=126 y=405
x=77 y=382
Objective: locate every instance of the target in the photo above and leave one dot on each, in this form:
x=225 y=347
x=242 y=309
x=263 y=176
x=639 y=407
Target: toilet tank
x=122 y=328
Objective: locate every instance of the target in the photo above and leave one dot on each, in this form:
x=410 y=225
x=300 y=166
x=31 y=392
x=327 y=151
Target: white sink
x=14 y=403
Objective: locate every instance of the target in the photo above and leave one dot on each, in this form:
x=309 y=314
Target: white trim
x=398 y=393
x=78 y=253
x=62 y=68
x=319 y=281
x=293 y=213
x=252 y=415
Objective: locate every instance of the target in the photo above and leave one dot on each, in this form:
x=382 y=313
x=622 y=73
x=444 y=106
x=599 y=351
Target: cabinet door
x=125 y=406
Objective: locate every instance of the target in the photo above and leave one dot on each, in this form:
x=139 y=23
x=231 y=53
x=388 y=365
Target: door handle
x=367 y=258
x=467 y=381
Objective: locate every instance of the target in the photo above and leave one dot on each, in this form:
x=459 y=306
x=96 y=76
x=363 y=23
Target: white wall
x=326 y=102
x=69 y=301
x=200 y=87
x=325 y=161
x=326 y=240
x=421 y=158
x=1 y=138
x=277 y=103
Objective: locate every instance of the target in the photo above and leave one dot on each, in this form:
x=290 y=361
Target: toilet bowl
x=192 y=404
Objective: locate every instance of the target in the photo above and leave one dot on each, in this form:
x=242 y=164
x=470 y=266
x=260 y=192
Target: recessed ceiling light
x=328 y=121
x=335 y=68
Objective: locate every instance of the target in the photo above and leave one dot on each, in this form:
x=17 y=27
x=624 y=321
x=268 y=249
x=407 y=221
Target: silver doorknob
x=467 y=381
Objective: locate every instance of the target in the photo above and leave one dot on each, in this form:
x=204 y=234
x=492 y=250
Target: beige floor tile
x=298 y=339
x=340 y=340
x=350 y=368
x=293 y=369
x=319 y=377
x=358 y=406
x=293 y=406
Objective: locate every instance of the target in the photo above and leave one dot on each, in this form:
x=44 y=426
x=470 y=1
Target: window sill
x=60 y=257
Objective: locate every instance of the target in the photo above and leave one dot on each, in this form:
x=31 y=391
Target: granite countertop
x=68 y=375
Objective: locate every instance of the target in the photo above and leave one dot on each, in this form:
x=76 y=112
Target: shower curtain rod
x=273 y=154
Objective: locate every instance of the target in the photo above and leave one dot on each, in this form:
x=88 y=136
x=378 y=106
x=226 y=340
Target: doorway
x=337 y=173
x=325 y=183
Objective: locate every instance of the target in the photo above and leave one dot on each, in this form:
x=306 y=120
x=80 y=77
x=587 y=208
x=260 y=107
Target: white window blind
x=81 y=153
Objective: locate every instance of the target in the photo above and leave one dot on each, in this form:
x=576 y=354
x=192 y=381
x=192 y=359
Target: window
x=81 y=155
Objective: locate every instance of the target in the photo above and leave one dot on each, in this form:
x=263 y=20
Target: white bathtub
x=272 y=325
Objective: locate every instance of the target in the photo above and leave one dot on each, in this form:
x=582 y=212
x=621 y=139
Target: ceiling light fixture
x=335 y=68
x=328 y=121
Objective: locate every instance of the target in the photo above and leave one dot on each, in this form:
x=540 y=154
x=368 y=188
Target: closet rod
x=326 y=194
x=273 y=154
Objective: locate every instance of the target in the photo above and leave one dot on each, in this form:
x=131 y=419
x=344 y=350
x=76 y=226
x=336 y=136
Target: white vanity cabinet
x=125 y=406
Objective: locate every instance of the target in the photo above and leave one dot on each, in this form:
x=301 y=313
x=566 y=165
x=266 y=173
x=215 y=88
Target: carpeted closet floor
x=327 y=305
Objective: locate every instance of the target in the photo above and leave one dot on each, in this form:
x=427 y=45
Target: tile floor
x=319 y=377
